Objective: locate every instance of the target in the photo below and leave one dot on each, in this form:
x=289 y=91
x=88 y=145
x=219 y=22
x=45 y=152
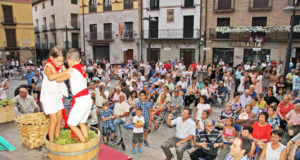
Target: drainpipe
x=200 y=32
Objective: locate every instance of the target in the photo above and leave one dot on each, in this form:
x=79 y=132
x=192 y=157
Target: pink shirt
x=294 y=117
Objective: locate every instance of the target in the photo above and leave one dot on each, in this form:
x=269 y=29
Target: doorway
x=101 y=52
x=128 y=55
x=187 y=55
x=154 y=56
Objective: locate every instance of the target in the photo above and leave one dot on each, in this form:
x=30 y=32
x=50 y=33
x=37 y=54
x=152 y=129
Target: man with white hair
x=117 y=94
x=121 y=110
x=245 y=98
x=25 y=102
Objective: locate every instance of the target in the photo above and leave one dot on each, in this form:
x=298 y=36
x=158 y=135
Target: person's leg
x=237 y=84
x=52 y=126
x=58 y=124
x=83 y=129
x=134 y=140
x=78 y=133
x=180 y=149
x=171 y=142
x=297 y=155
x=146 y=130
x=196 y=154
x=116 y=125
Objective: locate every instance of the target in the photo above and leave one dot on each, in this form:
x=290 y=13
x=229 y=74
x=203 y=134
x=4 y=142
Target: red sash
x=50 y=61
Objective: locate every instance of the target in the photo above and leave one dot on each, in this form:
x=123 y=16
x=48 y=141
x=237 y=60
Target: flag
x=120 y=28
x=124 y=29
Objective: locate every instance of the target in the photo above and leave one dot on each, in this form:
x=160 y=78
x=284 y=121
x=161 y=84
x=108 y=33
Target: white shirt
x=184 y=129
x=121 y=108
x=26 y=105
x=99 y=99
x=201 y=108
x=138 y=120
x=245 y=100
x=182 y=84
x=77 y=81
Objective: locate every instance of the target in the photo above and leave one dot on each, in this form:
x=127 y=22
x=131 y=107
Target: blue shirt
x=296 y=83
x=238 y=74
x=29 y=77
x=253 y=95
x=229 y=157
x=145 y=108
x=107 y=123
x=222 y=90
x=152 y=80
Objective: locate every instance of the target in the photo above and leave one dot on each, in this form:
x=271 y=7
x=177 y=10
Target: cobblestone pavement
x=10 y=132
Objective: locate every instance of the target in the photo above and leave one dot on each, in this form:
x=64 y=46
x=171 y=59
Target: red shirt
x=194 y=65
x=167 y=66
x=283 y=111
x=261 y=132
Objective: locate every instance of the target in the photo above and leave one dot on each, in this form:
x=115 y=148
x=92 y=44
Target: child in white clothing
x=138 y=130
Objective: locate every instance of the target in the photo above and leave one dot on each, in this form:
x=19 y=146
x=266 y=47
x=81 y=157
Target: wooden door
x=11 y=40
x=187 y=58
x=75 y=37
x=128 y=55
x=8 y=14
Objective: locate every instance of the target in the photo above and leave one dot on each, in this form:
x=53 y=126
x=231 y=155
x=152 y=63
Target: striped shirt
x=210 y=138
x=294 y=117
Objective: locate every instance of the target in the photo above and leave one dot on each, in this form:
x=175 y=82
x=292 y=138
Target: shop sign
x=246 y=44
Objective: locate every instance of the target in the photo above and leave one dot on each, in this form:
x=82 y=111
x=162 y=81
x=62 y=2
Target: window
x=8 y=14
x=93 y=6
x=128 y=30
x=35 y=8
x=260 y=3
x=188 y=3
x=107 y=31
x=221 y=22
x=74 y=21
x=253 y=56
x=296 y=35
x=128 y=4
x=52 y=2
x=73 y=1
x=107 y=5
x=43 y=5
x=224 y=4
x=154 y=4
x=188 y=26
x=259 y=21
x=93 y=31
x=52 y=24
x=11 y=40
x=154 y=28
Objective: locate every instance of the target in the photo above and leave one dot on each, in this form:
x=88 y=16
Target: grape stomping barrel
x=78 y=151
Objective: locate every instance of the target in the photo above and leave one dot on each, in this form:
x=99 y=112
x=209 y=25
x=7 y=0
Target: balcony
x=260 y=5
x=45 y=46
x=52 y=45
x=275 y=36
x=37 y=45
x=188 y=4
x=106 y=36
x=36 y=29
x=52 y=26
x=9 y=21
x=75 y=24
x=13 y=45
x=106 y=8
x=127 y=36
x=44 y=27
x=220 y=6
x=172 y=34
x=291 y=3
x=92 y=9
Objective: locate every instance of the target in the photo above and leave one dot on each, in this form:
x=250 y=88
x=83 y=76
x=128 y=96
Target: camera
x=156 y=86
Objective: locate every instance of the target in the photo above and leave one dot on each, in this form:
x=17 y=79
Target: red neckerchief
x=50 y=61
x=80 y=68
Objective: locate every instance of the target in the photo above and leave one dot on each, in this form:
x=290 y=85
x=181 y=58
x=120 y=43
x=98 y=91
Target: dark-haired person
x=203 y=105
x=246 y=132
x=239 y=149
x=185 y=130
x=261 y=130
x=274 y=150
x=273 y=119
x=146 y=108
x=281 y=84
x=270 y=98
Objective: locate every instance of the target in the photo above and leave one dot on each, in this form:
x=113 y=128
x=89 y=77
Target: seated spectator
x=261 y=103
x=227 y=113
x=283 y=109
x=121 y=110
x=185 y=130
x=153 y=79
x=204 y=118
x=245 y=99
x=236 y=104
x=279 y=95
x=190 y=95
x=213 y=86
x=228 y=132
x=255 y=108
x=117 y=94
x=261 y=130
x=273 y=119
x=293 y=149
x=158 y=108
x=203 y=105
x=25 y=103
x=166 y=93
x=93 y=119
x=252 y=91
x=246 y=132
x=239 y=150
x=274 y=150
x=221 y=92
x=205 y=91
x=209 y=141
x=176 y=104
x=183 y=84
x=293 y=119
x=247 y=118
x=270 y=98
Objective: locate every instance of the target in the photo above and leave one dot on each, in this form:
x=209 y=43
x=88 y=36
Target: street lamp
x=149 y=18
x=83 y=30
x=289 y=47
